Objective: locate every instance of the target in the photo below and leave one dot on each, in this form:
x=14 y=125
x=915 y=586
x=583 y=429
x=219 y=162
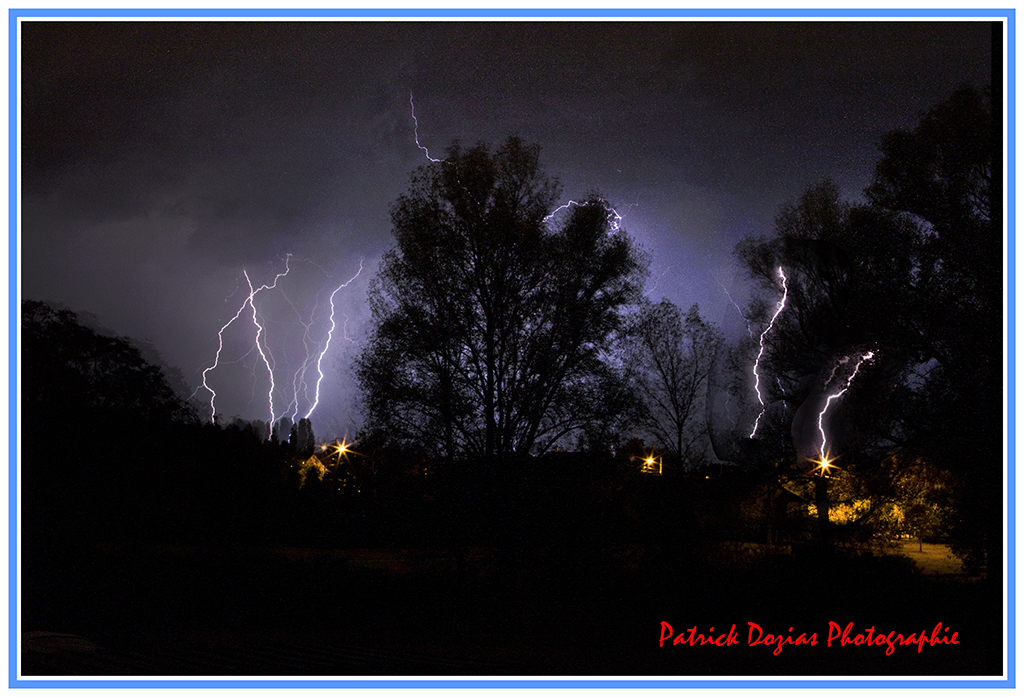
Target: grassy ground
x=932 y=559
x=288 y=611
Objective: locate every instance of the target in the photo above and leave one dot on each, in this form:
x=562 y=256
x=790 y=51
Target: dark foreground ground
x=243 y=611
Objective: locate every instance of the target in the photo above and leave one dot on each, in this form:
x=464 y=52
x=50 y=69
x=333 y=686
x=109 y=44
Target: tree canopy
x=914 y=277
x=73 y=373
x=946 y=174
x=491 y=321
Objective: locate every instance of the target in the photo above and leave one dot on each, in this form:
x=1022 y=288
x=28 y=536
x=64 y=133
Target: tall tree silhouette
x=668 y=357
x=490 y=323
x=946 y=173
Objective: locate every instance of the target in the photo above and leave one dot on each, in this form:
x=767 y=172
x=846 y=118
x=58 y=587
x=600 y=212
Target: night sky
x=161 y=160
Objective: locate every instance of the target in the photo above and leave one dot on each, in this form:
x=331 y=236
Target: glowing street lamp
x=824 y=464
x=341 y=448
x=651 y=464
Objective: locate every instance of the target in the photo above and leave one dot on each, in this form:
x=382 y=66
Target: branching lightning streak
x=327 y=344
x=216 y=362
x=220 y=340
x=416 y=131
x=757 y=379
x=725 y=406
x=615 y=217
x=823 y=450
x=259 y=333
x=260 y=330
x=261 y=345
x=300 y=374
x=742 y=316
x=654 y=285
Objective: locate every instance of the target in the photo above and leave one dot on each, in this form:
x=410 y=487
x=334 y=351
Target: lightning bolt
x=757 y=379
x=300 y=374
x=216 y=362
x=416 y=131
x=654 y=286
x=615 y=217
x=259 y=333
x=259 y=330
x=750 y=331
x=314 y=351
x=327 y=344
x=823 y=449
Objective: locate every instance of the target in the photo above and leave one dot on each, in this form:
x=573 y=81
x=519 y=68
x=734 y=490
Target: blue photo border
x=14 y=15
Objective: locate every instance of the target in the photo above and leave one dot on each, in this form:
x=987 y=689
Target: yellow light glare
x=650 y=463
x=342 y=448
x=824 y=464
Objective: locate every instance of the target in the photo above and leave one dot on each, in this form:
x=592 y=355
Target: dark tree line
x=502 y=331
x=74 y=373
x=112 y=453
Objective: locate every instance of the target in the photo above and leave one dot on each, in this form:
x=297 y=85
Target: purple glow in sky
x=162 y=161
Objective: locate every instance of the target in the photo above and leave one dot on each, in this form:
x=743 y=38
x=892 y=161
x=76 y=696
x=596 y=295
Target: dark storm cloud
x=244 y=128
x=166 y=157
x=287 y=109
